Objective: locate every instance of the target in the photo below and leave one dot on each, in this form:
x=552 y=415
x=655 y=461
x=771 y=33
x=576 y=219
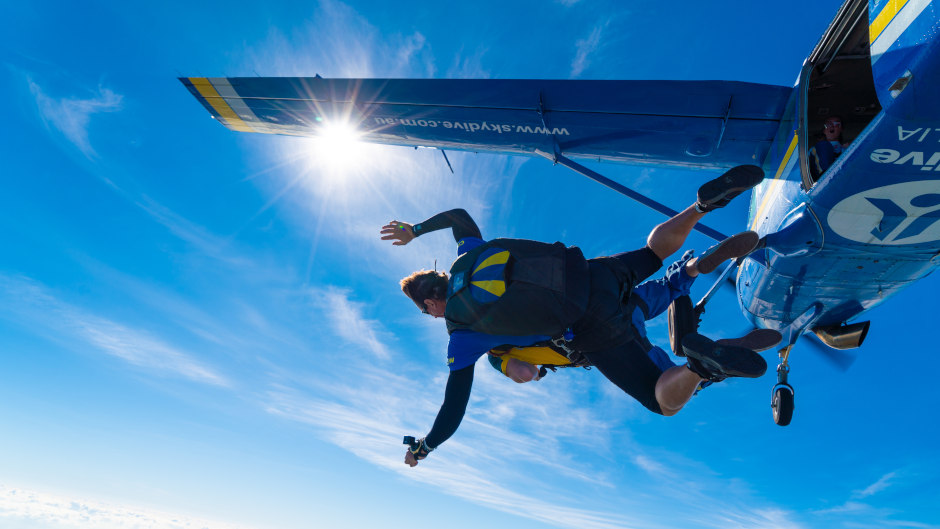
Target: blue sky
x=201 y=328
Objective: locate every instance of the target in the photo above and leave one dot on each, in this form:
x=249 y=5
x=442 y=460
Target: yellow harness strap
x=536 y=356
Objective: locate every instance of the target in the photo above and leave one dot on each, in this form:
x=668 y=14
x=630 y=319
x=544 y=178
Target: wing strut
x=642 y=199
x=448 y=162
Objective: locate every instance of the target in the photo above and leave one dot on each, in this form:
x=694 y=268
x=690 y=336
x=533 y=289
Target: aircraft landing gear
x=782 y=404
x=782 y=401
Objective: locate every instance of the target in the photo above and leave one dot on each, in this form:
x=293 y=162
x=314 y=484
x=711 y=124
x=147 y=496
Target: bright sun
x=337 y=147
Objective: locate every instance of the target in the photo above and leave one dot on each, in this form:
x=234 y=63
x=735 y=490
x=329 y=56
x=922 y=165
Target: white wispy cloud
x=204 y=241
x=369 y=420
x=347 y=319
x=369 y=425
x=71 y=116
x=858 y=515
x=883 y=483
x=585 y=48
x=413 y=46
x=469 y=65
x=908 y=523
x=33 y=508
x=651 y=466
x=743 y=516
x=862 y=509
x=36 y=306
x=336 y=41
x=849 y=507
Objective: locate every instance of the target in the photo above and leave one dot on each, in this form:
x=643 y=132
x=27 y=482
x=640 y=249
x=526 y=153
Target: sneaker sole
x=728 y=360
x=730 y=248
x=681 y=320
x=756 y=340
x=735 y=181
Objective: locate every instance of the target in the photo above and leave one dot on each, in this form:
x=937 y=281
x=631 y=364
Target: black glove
x=418 y=448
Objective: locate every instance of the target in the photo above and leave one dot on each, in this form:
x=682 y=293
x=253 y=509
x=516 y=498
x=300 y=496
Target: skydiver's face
x=435 y=307
x=832 y=129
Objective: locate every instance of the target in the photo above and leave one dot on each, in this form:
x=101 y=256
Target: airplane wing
x=710 y=124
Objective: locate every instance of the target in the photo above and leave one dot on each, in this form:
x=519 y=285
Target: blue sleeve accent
x=660 y=358
x=468 y=243
x=659 y=293
x=466 y=347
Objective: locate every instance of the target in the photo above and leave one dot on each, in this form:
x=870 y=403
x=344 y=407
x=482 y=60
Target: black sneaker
x=716 y=362
x=718 y=192
x=756 y=340
x=682 y=320
x=731 y=248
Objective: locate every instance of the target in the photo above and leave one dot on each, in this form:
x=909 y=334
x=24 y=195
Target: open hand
x=400 y=232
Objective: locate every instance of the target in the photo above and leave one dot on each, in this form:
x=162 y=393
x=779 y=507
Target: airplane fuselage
x=870 y=225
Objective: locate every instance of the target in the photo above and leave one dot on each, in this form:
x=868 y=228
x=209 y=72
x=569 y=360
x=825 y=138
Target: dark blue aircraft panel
x=689 y=123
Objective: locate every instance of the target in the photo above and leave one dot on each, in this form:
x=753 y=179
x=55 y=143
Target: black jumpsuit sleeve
x=458 y=219
x=456 y=397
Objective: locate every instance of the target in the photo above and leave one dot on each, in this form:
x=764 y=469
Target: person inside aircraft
x=829 y=148
x=523 y=293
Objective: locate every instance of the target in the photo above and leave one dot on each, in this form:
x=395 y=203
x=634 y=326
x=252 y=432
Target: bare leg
x=674 y=389
x=668 y=237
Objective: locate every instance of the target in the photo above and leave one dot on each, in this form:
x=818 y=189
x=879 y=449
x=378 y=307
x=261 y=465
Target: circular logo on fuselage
x=906 y=213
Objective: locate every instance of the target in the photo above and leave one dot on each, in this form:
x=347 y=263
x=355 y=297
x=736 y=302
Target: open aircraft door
x=837 y=80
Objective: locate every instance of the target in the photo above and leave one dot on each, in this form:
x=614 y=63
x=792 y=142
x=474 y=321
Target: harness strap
x=639 y=302
x=560 y=343
x=575 y=358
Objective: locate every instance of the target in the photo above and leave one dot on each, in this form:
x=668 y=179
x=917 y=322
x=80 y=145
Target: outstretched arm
x=456 y=397
x=457 y=219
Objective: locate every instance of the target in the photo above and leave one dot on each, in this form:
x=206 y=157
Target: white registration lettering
x=884 y=155
x=905 y=134
x=473 y=126
x=916 y=158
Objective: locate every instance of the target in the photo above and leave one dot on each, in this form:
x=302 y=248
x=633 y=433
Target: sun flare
x=337 y=146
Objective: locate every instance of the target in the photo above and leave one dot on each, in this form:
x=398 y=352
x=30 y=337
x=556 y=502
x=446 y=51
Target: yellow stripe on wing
x=209 y=93
x=884 y=18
